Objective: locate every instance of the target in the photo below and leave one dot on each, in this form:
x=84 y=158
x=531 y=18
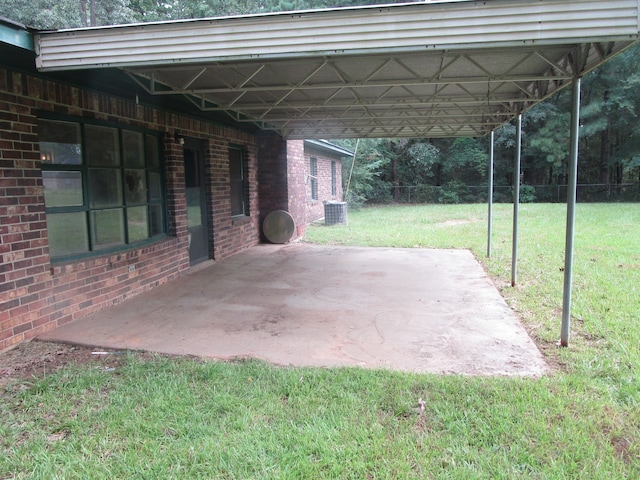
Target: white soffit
x=414 y=70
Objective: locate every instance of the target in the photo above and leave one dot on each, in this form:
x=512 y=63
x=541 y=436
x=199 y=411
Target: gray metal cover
x=335 y=213
x=278 y=226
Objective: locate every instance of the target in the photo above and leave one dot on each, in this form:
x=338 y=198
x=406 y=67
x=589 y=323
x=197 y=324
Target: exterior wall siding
x=37 y=295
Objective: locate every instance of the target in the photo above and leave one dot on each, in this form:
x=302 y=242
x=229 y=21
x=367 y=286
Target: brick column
x=176 y=193
x=272 y=174
x=297 y=181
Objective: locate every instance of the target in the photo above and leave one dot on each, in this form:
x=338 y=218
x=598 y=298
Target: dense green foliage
x=455 y=170
x=45 y=14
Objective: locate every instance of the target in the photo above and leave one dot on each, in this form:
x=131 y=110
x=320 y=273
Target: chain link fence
x=460 y=193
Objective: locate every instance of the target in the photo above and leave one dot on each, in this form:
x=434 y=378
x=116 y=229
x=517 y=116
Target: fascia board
x=404 y=27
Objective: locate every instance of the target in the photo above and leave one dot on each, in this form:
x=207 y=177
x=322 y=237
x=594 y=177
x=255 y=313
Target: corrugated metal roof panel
x=414 y=70
x=387 y=28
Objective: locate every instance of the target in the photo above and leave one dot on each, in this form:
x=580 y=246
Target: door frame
x=197 y=145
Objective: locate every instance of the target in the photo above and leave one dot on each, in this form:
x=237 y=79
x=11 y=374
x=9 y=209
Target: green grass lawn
x=183 y=418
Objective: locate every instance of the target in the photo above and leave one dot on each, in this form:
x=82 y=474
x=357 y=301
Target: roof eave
x=329 y=147
x=400 y=27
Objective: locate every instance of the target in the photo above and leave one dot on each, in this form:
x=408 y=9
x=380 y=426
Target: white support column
x=516 y=202
x=572 y=189
x=490 y=197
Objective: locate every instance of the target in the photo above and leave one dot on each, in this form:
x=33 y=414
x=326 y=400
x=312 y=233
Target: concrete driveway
x=417 y=310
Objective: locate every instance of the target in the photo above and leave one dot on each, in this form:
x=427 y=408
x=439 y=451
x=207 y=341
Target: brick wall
x=297 y=182
x=315 y=208
x=36 y=295
x=231 y=234
x=293 y=191
x=272 y=179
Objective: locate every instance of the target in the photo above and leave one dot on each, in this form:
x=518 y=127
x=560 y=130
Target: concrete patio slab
x=417 y=310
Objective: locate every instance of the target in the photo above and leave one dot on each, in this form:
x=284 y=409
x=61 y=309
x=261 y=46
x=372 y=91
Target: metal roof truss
x=428 y=94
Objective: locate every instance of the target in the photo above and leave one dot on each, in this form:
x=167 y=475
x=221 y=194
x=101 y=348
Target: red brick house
x=105 y=194
x=323 y=176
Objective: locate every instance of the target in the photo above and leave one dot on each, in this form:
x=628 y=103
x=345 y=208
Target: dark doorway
x=196 y=201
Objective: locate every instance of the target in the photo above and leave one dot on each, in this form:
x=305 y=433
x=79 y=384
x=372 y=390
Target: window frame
x=334 y=185
x=239 y=187
x=148 y=173
x=313 y=176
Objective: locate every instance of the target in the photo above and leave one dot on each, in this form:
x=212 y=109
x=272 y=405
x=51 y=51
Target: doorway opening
x=196 y=191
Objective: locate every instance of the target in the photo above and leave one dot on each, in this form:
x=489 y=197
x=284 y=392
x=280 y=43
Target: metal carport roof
x=428 y=69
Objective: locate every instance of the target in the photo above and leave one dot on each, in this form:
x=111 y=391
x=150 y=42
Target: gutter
x=16 y=34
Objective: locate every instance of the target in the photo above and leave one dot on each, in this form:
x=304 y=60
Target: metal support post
x=490 y=197
x=516 y=202
x=572 y=190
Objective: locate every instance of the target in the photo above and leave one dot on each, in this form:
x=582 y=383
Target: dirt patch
x=34 y=359
x=450 y=223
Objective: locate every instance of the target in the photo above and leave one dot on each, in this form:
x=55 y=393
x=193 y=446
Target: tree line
x=57 y=14
x=455 y=170
x=440 y=170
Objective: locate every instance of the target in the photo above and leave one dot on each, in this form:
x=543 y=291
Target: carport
x=428 y=69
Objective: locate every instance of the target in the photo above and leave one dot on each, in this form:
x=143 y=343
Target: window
x=102 y=187
x=314 y=178
x=334 y=189
x=238 y=180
